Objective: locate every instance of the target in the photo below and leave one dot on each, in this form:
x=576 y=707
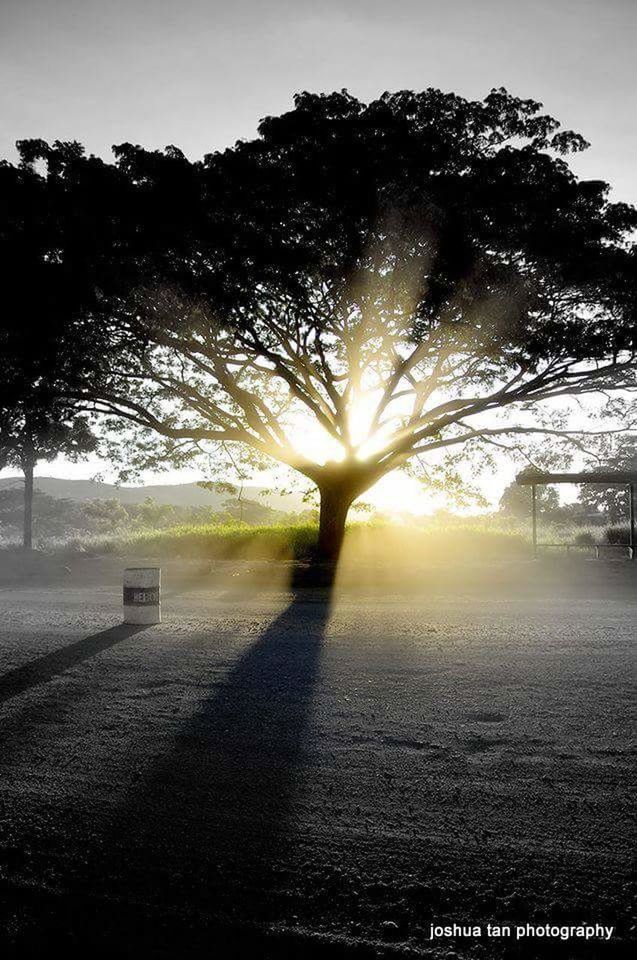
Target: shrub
x=618 y=535
x=585 y=539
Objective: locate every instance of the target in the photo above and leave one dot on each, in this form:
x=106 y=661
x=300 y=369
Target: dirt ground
x=270 y=773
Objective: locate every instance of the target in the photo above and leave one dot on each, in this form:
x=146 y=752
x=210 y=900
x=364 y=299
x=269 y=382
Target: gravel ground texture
x=277 y=773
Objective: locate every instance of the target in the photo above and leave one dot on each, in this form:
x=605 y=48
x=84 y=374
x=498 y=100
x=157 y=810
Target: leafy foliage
x=42 y=428
x=516 y=502
x=57 y=519
x=612 y=501
x=404 y=276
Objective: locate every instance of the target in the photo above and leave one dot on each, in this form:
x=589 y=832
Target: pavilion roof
x=531 y=477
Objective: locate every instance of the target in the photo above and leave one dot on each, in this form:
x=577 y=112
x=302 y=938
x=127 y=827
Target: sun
x=312 y=441
x=395 y=494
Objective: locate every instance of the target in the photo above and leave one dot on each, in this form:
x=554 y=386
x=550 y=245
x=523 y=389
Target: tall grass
x=216 y=541
x=444 y=537
x=288 y=542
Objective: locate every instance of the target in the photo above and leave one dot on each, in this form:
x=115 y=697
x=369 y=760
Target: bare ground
x=274 y=774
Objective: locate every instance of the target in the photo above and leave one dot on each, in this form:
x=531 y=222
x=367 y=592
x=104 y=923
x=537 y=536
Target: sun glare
x=313 y=441
x=395 y=494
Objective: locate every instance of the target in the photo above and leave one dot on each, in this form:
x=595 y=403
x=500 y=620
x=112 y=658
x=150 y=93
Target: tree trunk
x=27 y=536
x=336 y=499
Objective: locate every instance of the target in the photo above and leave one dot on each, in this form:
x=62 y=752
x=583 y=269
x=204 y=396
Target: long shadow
x=203 y=838
x=43 y=669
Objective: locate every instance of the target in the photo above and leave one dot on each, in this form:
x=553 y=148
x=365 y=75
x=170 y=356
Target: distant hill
x=176 y=494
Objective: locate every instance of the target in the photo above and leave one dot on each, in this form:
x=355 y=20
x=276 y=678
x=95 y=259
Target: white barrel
x=142 y=595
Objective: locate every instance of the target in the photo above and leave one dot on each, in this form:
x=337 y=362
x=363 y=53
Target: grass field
x=475 y=536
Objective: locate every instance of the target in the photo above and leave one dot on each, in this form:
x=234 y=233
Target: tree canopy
x=613 y=501
x=50 y=251
x=398 y=274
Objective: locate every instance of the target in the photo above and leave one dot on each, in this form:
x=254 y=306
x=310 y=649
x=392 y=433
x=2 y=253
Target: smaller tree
x=515 y=501
x=37 y=429
x=153 y=514
x=612 y=501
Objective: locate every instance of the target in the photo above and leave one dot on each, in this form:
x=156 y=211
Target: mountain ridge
x=175 y=494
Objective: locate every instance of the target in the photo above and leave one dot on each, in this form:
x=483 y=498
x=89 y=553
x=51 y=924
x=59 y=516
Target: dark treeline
x=56 y=518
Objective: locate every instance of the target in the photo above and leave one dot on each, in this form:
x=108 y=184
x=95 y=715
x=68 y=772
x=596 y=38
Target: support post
x=27 y=530
x=632 y=506
x=534 y=518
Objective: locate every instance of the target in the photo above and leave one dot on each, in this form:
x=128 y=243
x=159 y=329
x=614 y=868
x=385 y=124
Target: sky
x=201 y=74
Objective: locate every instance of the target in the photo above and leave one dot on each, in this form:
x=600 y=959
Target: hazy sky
x=200 y=74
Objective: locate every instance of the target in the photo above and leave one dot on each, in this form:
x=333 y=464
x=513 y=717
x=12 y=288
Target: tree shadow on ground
x=203 y=837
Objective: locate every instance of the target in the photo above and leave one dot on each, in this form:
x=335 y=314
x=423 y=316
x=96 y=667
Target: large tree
x=409 y=275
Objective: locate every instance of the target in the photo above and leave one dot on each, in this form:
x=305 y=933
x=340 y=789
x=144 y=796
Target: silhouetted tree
x=55 y=250
x=400 y=274
x=63 y=250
